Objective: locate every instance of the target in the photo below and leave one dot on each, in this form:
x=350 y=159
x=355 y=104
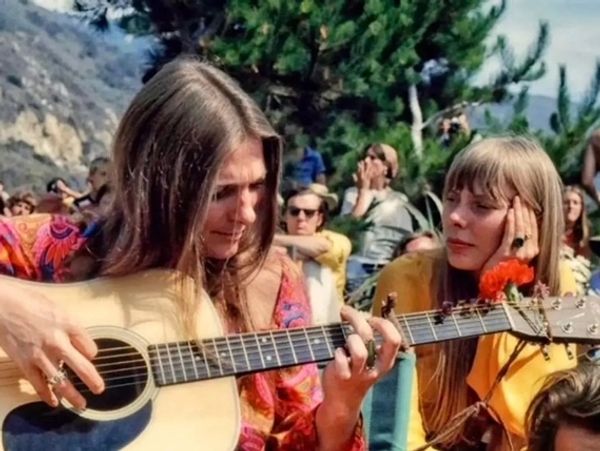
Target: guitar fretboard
x=181 y=362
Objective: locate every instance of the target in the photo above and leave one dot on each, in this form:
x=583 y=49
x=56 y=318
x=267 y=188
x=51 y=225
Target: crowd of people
x=193 y=184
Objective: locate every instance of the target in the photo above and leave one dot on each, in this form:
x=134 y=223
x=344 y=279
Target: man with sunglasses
x=321 y=253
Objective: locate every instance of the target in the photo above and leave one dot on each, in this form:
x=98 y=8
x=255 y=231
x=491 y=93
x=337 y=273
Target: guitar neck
x=234 y=355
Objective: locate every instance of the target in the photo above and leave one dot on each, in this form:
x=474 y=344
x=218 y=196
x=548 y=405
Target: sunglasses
x=308 y=212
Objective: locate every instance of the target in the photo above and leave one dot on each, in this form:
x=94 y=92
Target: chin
x=223 y=252
x=463 y=263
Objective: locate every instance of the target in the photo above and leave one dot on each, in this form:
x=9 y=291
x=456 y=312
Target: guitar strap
x=478 y=408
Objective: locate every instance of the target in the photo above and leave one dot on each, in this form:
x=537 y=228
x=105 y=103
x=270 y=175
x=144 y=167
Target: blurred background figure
x=382 y=208
x=320 y=253
x=21 y=203
x=577 y=227
x=576 y=250
x=309 y=167
x=100 y=174
x=416 y=242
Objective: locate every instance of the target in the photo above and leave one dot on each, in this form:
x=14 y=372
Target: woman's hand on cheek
x=521 y=237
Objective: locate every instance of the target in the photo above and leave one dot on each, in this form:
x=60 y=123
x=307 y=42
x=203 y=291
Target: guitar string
x=317 y=333
x=425 y=316
x=185 y=363
x=279 y=337
x=205 y=366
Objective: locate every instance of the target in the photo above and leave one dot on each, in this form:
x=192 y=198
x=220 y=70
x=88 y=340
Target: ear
x=319 y=219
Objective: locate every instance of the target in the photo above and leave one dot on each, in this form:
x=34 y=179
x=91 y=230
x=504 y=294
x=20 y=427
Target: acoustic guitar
x=166 y=392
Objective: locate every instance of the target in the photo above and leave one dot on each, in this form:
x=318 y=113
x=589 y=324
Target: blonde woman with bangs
x=502 y=199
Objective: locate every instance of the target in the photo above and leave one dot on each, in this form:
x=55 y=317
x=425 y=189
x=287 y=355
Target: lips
x=234 y=236
x=456 y=245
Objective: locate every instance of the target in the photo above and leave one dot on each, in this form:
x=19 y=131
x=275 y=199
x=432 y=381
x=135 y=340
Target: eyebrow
x=260 y=179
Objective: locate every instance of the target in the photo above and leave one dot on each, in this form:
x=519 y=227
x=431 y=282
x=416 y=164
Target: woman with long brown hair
x=577 y=226
x=502 y=200
x=196 y=175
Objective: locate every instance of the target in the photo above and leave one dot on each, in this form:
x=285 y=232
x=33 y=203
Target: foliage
x=336 y=74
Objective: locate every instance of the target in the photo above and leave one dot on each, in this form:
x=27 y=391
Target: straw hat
x=322 y=191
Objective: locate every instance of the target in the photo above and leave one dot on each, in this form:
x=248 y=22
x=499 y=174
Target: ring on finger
x=519 y=241
x=372 y=354
x=58 y=378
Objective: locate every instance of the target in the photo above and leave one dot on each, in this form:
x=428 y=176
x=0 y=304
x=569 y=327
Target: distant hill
x=62 y=89
x=538 y=113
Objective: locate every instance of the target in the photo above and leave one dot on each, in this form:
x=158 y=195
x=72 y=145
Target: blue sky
x=574 y=39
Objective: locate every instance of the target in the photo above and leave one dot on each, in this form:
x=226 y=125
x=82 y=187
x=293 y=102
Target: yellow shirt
x=410 y=277
x=336 y=258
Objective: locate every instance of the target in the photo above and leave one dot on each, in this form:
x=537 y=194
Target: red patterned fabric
x=278 y=407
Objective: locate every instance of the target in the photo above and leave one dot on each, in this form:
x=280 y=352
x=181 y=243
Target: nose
x=246 y=213
x=457 y=216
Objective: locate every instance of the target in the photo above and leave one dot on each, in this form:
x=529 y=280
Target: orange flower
x=494 y=283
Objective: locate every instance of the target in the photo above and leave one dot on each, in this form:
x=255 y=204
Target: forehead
x=305 y=200
x=245 y=164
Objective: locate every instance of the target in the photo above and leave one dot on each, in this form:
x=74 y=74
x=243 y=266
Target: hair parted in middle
x=169 y=147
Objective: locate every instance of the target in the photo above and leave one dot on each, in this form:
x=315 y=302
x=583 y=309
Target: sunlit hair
x=568 y=398
x=168 y=150
x=581 y=228
x=501 y=167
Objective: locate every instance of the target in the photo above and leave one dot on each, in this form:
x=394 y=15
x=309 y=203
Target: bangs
x=481 y=173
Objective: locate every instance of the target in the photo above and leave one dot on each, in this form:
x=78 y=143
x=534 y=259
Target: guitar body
x=130 y=312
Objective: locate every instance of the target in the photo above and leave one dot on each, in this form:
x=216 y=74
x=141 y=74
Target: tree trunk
x=417 y=120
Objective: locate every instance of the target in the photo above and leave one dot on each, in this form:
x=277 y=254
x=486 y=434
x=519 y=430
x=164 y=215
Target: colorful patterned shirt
x=278 y=407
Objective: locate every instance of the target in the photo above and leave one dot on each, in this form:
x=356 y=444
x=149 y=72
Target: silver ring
x=59 y=377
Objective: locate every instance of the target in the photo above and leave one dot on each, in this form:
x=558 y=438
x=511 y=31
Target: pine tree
x=342 y=73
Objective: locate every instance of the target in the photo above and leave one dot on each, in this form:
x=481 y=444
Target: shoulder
x=418 y=264
x=336 y=238
x=410 y=277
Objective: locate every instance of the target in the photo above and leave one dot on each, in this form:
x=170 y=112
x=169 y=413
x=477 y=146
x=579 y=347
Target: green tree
x=341 y=73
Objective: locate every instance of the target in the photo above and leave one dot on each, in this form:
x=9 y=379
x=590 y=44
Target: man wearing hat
x=305 y=216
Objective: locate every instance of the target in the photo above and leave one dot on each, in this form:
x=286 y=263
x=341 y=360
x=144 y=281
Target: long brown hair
x=167 y=152
x=499 y=166
x=581 y=228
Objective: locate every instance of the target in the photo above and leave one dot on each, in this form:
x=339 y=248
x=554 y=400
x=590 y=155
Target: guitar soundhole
x=124 y=371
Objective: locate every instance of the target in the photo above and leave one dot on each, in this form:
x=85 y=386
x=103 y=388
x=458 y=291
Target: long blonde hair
x=167 y=152
x=499 y=166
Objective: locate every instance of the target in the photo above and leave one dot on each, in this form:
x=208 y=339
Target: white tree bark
x=417 y=120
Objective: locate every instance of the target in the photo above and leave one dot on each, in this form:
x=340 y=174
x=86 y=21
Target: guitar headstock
x=564 y=319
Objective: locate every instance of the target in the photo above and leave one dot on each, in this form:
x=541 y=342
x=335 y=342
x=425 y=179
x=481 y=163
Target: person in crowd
x=577 y=226
x=309 y=168
x=21 y=203
x=321 y=253
x=576 y=250
x=100 y=174
x=59 y=198
x=4 y=196
x=197 y=169
x=502 y=200
x=565 y=414
x=591 y=166
x=375 y=201
x=416 y=242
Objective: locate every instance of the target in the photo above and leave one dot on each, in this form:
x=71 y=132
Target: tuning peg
x=593 y=329
x=580 y=303
x=570 y=355
x=544 y=350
